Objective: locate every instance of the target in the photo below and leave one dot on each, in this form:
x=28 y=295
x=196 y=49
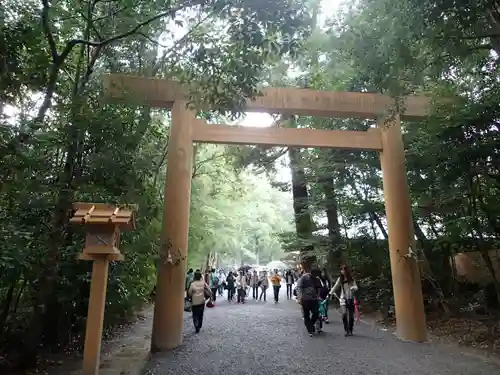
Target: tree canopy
x=60 y=142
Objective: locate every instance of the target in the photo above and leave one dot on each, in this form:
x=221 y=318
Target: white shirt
x=346 y=290
x=241 y=281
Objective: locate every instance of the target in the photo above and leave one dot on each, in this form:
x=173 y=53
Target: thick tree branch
x=182 y=39
x=483 y=36
x=59 y=59
x=198 y=165
x=47 y=31
x=72 y=43
x=92 y=25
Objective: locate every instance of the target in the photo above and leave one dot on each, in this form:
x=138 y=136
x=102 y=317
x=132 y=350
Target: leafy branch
x=58 y=59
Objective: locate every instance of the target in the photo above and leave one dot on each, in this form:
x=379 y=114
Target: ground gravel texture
x=260 y=338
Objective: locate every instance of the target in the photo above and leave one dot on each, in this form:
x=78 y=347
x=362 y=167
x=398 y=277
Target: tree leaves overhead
x=59 y=143
x=235 y=214
x=225 y=61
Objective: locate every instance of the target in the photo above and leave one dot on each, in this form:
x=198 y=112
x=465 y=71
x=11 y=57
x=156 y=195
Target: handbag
x=207 y=293
x=188 y=306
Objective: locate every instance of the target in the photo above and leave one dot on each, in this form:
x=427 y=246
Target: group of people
x=239 y=284
x=313 y=292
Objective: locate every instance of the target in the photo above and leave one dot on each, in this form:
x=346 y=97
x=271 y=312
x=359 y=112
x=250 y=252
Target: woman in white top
x=241 y=285
x=198 y=292
x=348 y=287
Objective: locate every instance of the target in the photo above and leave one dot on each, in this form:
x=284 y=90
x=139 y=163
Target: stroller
x=322 y=314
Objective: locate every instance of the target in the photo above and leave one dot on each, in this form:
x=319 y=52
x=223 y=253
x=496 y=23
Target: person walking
x=348 y=287
x=198 y=292
x=290 y=280
x=307 y=295
x=324 y=293
x=189 y=279
x=276 y=282
x=254 y=284
x=214 y=284
x=230 y=282
x=263 y=284
x=241 y=284
x=222 y=283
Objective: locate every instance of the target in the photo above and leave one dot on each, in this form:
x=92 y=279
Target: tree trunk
x=303 y=219
x=46 y=305
x=7 y=302
x=491 y=269
x=371 y=212
x=334 y=257
x=426 y=270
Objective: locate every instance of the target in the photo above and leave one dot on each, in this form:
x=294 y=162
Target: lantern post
x=103 y=223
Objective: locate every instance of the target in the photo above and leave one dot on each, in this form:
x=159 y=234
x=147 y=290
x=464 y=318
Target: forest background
x=61 y=142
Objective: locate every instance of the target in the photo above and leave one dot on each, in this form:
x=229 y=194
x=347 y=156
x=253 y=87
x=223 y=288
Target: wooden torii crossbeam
x=162 y=93
x=186 y=129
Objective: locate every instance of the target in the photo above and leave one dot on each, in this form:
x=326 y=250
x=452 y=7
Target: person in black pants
x=348 y=287
x=310 y=310
x=276 y=281
x=290 y=280
x=263 y=284
x=307 y=295
x=198 y=292
x=254 y=284
x=230 y=282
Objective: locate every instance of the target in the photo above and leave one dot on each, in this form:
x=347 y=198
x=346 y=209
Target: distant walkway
x=260 y=338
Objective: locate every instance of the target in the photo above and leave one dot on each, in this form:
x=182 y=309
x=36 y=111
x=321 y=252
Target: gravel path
x=260 y=338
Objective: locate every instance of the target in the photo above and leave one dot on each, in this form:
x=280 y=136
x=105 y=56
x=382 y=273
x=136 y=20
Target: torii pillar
x=408 y=299
x=168 y=320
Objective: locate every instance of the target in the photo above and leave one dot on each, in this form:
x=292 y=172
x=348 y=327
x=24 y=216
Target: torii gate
x=185 y=130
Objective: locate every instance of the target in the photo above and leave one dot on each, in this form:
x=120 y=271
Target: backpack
x=307 y=282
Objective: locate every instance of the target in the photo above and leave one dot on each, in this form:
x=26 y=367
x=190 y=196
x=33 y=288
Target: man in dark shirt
x=307 y=295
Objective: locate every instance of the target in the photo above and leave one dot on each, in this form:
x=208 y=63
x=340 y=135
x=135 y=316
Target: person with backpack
x=307 y=295
x=348 y=287
x=198 y=292
x=214 y=284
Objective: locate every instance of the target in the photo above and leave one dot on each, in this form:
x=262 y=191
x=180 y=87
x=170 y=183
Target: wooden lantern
x=103 y=223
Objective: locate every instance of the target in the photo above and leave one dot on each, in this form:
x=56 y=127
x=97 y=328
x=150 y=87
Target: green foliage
x=237 y=215
x=60 y=143
x=437 y=48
